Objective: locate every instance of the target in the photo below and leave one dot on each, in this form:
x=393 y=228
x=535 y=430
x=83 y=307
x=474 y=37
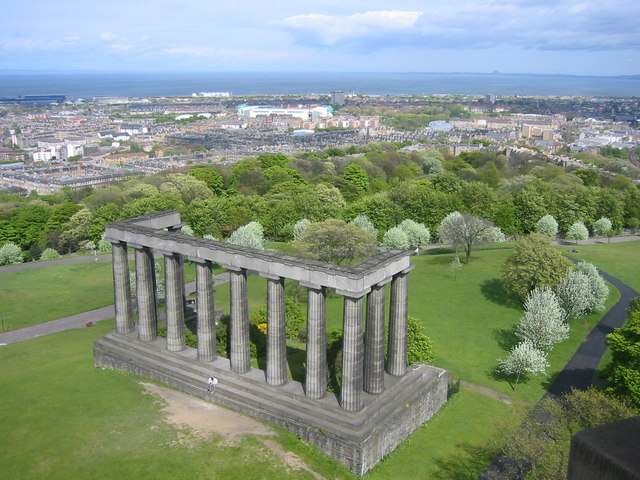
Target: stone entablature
x=380 y=418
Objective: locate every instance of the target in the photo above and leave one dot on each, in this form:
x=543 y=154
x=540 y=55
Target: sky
x=483 y=36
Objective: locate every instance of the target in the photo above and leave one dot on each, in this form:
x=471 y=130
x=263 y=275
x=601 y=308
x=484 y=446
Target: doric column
x=206 y=316
x=352 y=351
x=122 y=288
x=240 y=353
x=316 y=374
x=374 y=341
x=398 y=320
x=174 y=299
x=276 y=337
x=146 y=294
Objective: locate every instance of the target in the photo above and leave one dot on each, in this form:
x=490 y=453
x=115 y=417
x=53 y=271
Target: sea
x=123 y=84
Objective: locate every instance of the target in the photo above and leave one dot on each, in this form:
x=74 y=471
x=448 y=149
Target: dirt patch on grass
x=203 y=420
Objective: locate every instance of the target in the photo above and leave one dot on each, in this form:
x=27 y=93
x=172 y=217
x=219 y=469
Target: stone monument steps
x=248 y=392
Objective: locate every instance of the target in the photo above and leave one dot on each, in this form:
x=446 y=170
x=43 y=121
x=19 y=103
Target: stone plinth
x=358 y=440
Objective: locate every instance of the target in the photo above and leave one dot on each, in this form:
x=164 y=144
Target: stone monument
x=380 y=402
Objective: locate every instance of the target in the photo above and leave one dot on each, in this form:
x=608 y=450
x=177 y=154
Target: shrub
x=418 y=344
x=10 y=254
x=49 y=254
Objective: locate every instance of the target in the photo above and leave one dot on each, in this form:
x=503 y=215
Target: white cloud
x=29 y=43
x=205 y=51
x=331 y=29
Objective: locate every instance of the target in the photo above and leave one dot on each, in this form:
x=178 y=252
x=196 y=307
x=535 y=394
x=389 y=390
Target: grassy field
x=60 y=419
x=620 y=260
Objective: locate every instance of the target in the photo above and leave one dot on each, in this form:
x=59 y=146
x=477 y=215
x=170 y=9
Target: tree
x=547 y=226
x=432 y=166
x=300 y=227
x=543 y=322
x=577 y=232
x=523 y=360
x=365 y=224
x=248 y=235
x=417 y=233
x=10 y=254
x=49 y=254
x=623 y=372
x=336 y=241
x=418 y=344
x=599 y=292
x=574 y=292
x=210 y=177
x=467 y=230
x=357 y=176
x=533 y=263
x=602 y=227
x=395 y=238
x=539 y=448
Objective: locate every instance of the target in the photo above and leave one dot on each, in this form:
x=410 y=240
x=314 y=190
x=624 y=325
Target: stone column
x=240 y=353
x=374 y=342
x=316 y=374
x=276 y=337
x=174 y=299
x=206 y=317
x=122 y=288
x=146 y=294
x=352 y=351
x=398 y=320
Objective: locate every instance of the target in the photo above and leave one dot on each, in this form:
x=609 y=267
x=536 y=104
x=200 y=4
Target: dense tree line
x=382 y=181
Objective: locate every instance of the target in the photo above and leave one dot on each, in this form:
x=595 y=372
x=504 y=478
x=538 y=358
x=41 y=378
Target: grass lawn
x=35 y=296
x=63 y=418
x=620 y=260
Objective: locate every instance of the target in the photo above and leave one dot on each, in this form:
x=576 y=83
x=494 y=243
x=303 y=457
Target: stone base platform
x=358 y=440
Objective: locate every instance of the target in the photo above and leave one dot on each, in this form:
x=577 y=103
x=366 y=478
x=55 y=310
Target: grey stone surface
x=239 y=346
x=276 y=338
x=205 y=312
x=352 y=355
x=122 y=288
x=358 y=440
x=607 y=452
x=175 y=302
x=146 y=294
x=398 y=319
x=316 y=373
x=374 y=351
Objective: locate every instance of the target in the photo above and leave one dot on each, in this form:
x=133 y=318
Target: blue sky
x=510 y=36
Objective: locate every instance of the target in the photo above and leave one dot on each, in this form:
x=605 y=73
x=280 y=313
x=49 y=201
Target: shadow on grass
x=496 y=374
x=506 y=338
x=297 y=359
x=469 y=463
x=493 y=290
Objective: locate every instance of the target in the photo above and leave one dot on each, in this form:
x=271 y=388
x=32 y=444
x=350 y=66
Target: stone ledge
x=358 y=440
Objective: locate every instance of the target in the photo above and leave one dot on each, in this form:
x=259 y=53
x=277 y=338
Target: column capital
x=408 y=269
x=201 y=261
x=232 y=268
x=383 y=282
x=270 y=276
x=313 y=286
x=350 y=294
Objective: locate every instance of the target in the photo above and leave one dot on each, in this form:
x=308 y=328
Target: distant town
x=53 y=141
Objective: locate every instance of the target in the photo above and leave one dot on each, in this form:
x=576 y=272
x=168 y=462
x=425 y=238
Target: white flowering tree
x=363 y=222
x=104 y=246
x=599 y=291
x=574 y=292
x=578 y=231
x=394 y=238
x=417 y=233
x=249 y=235
x=187 y=230
x=300 y=227
x=10 y=254
x=543 y=323
x=49 y=254
x=547 y=226
x=523 y=360
x=468 y=230
x=602 y=227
